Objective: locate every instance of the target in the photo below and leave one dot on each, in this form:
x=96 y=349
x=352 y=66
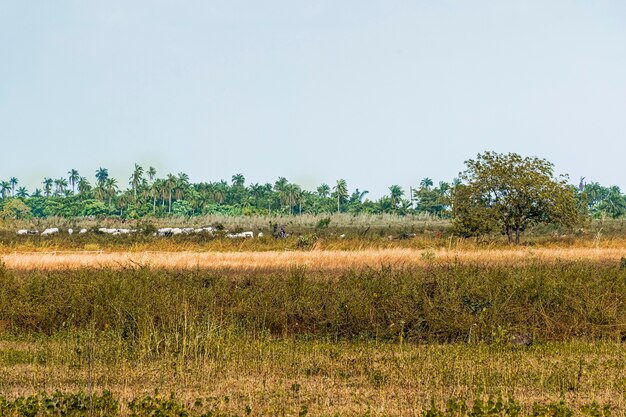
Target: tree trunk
x=517 y=233
x=509 y=233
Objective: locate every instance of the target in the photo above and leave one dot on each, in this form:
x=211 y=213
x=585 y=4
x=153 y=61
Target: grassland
x=382 y=341
x=376 y=323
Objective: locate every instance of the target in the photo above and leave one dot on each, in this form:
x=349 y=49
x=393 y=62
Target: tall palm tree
x=238 y=180
x=47 y=186
x=341 y=192
x=13 y=181
x=101 y=175
x=83 y=185
x=281 y=187
x=426 y=183
x=22 y=192
x=220 y=190
x=73 y=176
x=36 y=193
x=182 y=183
x=255 y=191
x=135 y=179
x=151 y=173
x=111 y=188
x=60 y=184
x=323 y=190
x=156 y=190
x=100 y=191
x=396 y=193
x=170 y=184
x=5 y=187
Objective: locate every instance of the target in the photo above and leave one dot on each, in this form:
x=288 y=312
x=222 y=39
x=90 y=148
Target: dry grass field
x=314 y=259
x=274 y=377
x=316 y=324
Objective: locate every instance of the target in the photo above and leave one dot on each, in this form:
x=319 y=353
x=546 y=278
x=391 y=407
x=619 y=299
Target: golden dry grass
x=316 y=259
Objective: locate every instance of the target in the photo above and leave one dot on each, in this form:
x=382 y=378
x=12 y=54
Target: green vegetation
x=503 y=193
x=508 y=193
x=175 y=195
x=446 y=302
x=80 y=404
x=375 y=342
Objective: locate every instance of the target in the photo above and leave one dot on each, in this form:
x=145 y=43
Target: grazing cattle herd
x=165 y=231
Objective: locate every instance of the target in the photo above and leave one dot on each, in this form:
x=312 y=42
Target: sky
x=375 y=92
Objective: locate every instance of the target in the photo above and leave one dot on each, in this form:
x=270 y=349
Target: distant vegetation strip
x=313 y=259
x=147 y=194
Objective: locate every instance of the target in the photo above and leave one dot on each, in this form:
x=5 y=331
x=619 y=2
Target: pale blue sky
x=376 y=92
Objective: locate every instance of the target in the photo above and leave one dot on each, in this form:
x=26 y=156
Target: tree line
x=146 y=194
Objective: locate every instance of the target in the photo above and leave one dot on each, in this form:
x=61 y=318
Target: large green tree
x=508 y=193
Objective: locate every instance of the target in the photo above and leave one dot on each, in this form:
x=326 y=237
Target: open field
x=315 y=259
x=283 y=377
x=383 y=341
x=316 y=326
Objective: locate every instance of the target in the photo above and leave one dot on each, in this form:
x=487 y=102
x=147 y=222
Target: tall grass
x=174 y=309
x=372 y=341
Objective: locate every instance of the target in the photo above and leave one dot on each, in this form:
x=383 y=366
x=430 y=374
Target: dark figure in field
x=279 y=234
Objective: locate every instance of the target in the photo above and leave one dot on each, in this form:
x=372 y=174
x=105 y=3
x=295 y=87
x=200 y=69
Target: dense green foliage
x=78 y=404
x=176 y=195
x=508 y=193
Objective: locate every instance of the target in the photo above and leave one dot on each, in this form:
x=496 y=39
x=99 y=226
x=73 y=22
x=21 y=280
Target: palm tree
x=36 y=193
x=426 y=183
x=156 y=189
x=238 y=180
x=220 y=190
x=341 y=192
x=170 y=184
x=111 y=189
x=22 y=192
x=182 y=183
x=101 y=175
x=323 y=190
x=13 y=181
x=135 y=179
x=5 y=187
x=151 y=173
x=74 y=176
x=100 y=191
x=255 y=190
x=396 y=194
x=47 y=186
x=60 y=185
x=83 y=185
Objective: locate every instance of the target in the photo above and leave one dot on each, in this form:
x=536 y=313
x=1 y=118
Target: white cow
x=50 y=231
x=165 y=231
x=22 y=232
x=70 y=231
x=82 y=231
x=244 y=235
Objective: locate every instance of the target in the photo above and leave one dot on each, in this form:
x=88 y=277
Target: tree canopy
x=508 y=193
x=147 y=194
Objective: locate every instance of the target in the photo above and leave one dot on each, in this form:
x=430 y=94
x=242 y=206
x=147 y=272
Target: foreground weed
x=61 y=404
